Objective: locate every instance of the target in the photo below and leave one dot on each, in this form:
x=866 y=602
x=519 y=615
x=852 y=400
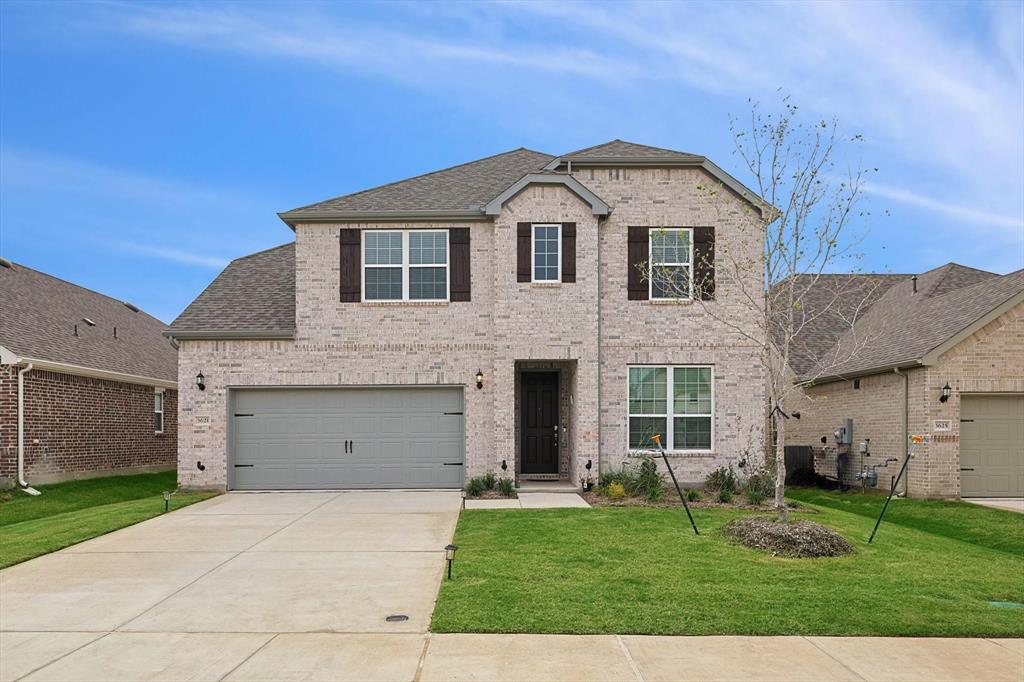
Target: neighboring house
x=486 y=317
x=954 y=327
x=95 y=377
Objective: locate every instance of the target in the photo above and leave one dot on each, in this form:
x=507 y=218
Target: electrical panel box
x=844 y=434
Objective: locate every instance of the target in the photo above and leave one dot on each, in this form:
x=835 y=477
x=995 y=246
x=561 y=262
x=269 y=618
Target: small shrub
x=724 y=496
x=648 y=480
x=507 y=487
x=754 y=496
x=762 y=482
x=693 y=495
x=475 y=487
x=625 y=477
x=655 y=494
x=490 y=480
x=616 y=491
x=722 y=478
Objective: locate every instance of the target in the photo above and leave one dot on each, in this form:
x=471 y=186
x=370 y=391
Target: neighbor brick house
x=95 y=377
x=486 y=317
x=954 y=327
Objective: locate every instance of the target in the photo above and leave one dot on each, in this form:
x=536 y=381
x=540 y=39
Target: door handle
x=966 y=468
x=244 y=466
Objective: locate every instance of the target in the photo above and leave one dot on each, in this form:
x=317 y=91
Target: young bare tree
x=810 y=225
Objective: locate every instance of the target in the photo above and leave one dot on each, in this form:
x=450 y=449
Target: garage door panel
x=297 y=438
x=992 y=446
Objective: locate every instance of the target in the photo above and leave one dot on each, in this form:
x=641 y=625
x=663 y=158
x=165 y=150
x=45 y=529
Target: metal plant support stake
x=915 y=440
x=657 y=439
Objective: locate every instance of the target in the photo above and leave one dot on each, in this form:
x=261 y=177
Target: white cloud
x=168 y=254
x=957 y=211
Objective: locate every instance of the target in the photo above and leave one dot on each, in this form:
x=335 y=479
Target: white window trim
x=163 y=416
x=650 y=254
x=405 y=267
x=533 y=253
x=670 y=415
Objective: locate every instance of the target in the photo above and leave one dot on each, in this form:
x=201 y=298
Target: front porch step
x=548 y=487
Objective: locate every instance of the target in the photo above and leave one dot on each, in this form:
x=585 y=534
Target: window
x=158 y=411
x=676 y=403
x=671 y=264
x=407 y=265
x=547 y=254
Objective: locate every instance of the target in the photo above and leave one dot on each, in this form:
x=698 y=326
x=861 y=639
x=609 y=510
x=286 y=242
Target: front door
x=538 y=420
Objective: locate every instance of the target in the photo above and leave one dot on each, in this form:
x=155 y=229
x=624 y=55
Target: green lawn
x=931 y=571
x=67 y=513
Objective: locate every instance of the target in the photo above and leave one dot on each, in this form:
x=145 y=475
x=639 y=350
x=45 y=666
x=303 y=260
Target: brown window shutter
x=351 y=266
x=458 y=254
x=524 y=238
x=704 y=262
x=568 y=252
x=638 y=252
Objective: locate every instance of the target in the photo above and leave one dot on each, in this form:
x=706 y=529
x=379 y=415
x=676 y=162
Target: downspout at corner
x=21 y=430
x=906 y=425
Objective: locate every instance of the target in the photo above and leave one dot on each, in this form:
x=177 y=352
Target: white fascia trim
x=65 y=368
x=597 y=205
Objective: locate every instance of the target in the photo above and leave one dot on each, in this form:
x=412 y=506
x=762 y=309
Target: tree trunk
x=780 y=467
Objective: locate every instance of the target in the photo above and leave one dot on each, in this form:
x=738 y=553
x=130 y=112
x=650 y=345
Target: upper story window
x=405 y=265
x=671 y=264
x=158 y=411
x=547 y=255
x=676 y=403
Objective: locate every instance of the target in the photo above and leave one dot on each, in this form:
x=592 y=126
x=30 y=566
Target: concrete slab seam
x=629 y=659
x=98 y=637
x=830 y=655
x=258 y=649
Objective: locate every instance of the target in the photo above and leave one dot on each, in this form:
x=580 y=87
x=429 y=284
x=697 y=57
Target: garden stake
x=915 y=440
x=657 y=439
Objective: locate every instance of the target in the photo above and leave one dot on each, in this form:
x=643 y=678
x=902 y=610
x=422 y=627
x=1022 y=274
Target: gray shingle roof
x=902 y=326
x=253 y=296
x=466 y=187
x=629 y=150
x=38 y=314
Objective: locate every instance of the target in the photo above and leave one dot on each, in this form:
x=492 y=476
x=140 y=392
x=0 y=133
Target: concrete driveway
x=198 y=592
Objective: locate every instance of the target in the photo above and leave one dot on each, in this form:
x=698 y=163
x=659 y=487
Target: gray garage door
x=289 y=439
x=992 y=446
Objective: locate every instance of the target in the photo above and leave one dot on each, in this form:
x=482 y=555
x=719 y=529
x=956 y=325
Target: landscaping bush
x=755 y=496
x=789 y=539
x=724 y=496
x=655 y=494
x=648 y=480
x=475 y=487
x=692 y=495
x=616 y=491
x=490 y=480
x=625 y=477
x=507 y=487
x=762 y=482
x=722 y=478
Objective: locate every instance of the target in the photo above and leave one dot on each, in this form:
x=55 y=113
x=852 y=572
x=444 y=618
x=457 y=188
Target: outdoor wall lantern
x=504 y=465
x=449 y=555
x=201 y=381
x=479 y=379
x=946 y=390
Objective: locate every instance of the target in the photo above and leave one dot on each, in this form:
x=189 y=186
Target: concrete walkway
x=531 y=501
x=1008 y=503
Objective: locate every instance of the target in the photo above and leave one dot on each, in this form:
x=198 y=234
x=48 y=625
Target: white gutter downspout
x=21 y=431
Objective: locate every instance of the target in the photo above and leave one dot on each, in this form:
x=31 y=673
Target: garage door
x=340 y=438
x=992 y=446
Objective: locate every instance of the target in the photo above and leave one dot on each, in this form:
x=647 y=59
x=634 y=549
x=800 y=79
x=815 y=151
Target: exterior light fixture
x=201 y=381
x=479 y=379
x=946 y=390
x=504 y=465
x=796 y=415
x=449 y=555
x=167 y=500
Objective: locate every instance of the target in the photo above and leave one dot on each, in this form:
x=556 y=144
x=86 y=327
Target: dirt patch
x=797 y=539
x=594 y=499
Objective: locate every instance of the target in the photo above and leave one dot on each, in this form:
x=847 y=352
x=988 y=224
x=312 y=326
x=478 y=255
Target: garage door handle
x=244 y=466
x=966 y=468
x=453 y=464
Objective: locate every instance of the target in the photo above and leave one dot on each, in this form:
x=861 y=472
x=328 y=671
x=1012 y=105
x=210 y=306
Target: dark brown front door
x=538 y=420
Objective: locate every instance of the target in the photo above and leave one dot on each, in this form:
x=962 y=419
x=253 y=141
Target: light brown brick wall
x=506 y=321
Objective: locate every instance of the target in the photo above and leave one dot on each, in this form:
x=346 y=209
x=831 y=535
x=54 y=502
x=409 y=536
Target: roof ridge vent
x=6 y=263
x=88 y=322
x=131 y=306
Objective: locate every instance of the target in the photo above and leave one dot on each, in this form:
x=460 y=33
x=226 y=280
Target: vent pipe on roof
x=6 y=263
x=76 y=330
x=115 y=332
x=130 y=307
x=913 y=281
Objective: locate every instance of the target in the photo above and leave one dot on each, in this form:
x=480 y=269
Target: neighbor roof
x=904 y=328
x=620 y=149
x=254 y=297
x=39 y=313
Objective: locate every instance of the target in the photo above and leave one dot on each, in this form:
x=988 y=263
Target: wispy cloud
x=168 y=254
x=957 y=211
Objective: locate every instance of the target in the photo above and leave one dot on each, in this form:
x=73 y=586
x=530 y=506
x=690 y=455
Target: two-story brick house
x=485 y=317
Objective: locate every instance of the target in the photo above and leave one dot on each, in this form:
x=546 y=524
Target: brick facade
x=587 y=328
x=79 y=426
x=989 y=361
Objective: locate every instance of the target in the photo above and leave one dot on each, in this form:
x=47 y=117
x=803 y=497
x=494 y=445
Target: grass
x=74 y=511
x=641 y=570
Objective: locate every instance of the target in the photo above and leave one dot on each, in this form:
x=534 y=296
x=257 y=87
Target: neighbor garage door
x=289 y=439
x=992 y=446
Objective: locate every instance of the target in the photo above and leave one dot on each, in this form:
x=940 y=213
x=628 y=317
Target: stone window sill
x=414 y=304
x=669 y=301
x=673 y=453
x=545 y=285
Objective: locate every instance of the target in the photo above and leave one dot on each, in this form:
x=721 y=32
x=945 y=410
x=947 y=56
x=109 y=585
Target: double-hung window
x=676 y=403
x=547 y=253
x=671 y=264
x=158 y=411
x=405 y=265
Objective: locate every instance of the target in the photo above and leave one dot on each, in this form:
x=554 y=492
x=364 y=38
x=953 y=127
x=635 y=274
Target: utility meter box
x=844 y=434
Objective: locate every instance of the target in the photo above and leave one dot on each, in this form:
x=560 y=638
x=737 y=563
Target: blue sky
x=143 y=146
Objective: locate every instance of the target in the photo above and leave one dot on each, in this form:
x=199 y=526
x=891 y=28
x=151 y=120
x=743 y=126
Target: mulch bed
x=672 y=500
x=796 y=539
x=493 y=495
